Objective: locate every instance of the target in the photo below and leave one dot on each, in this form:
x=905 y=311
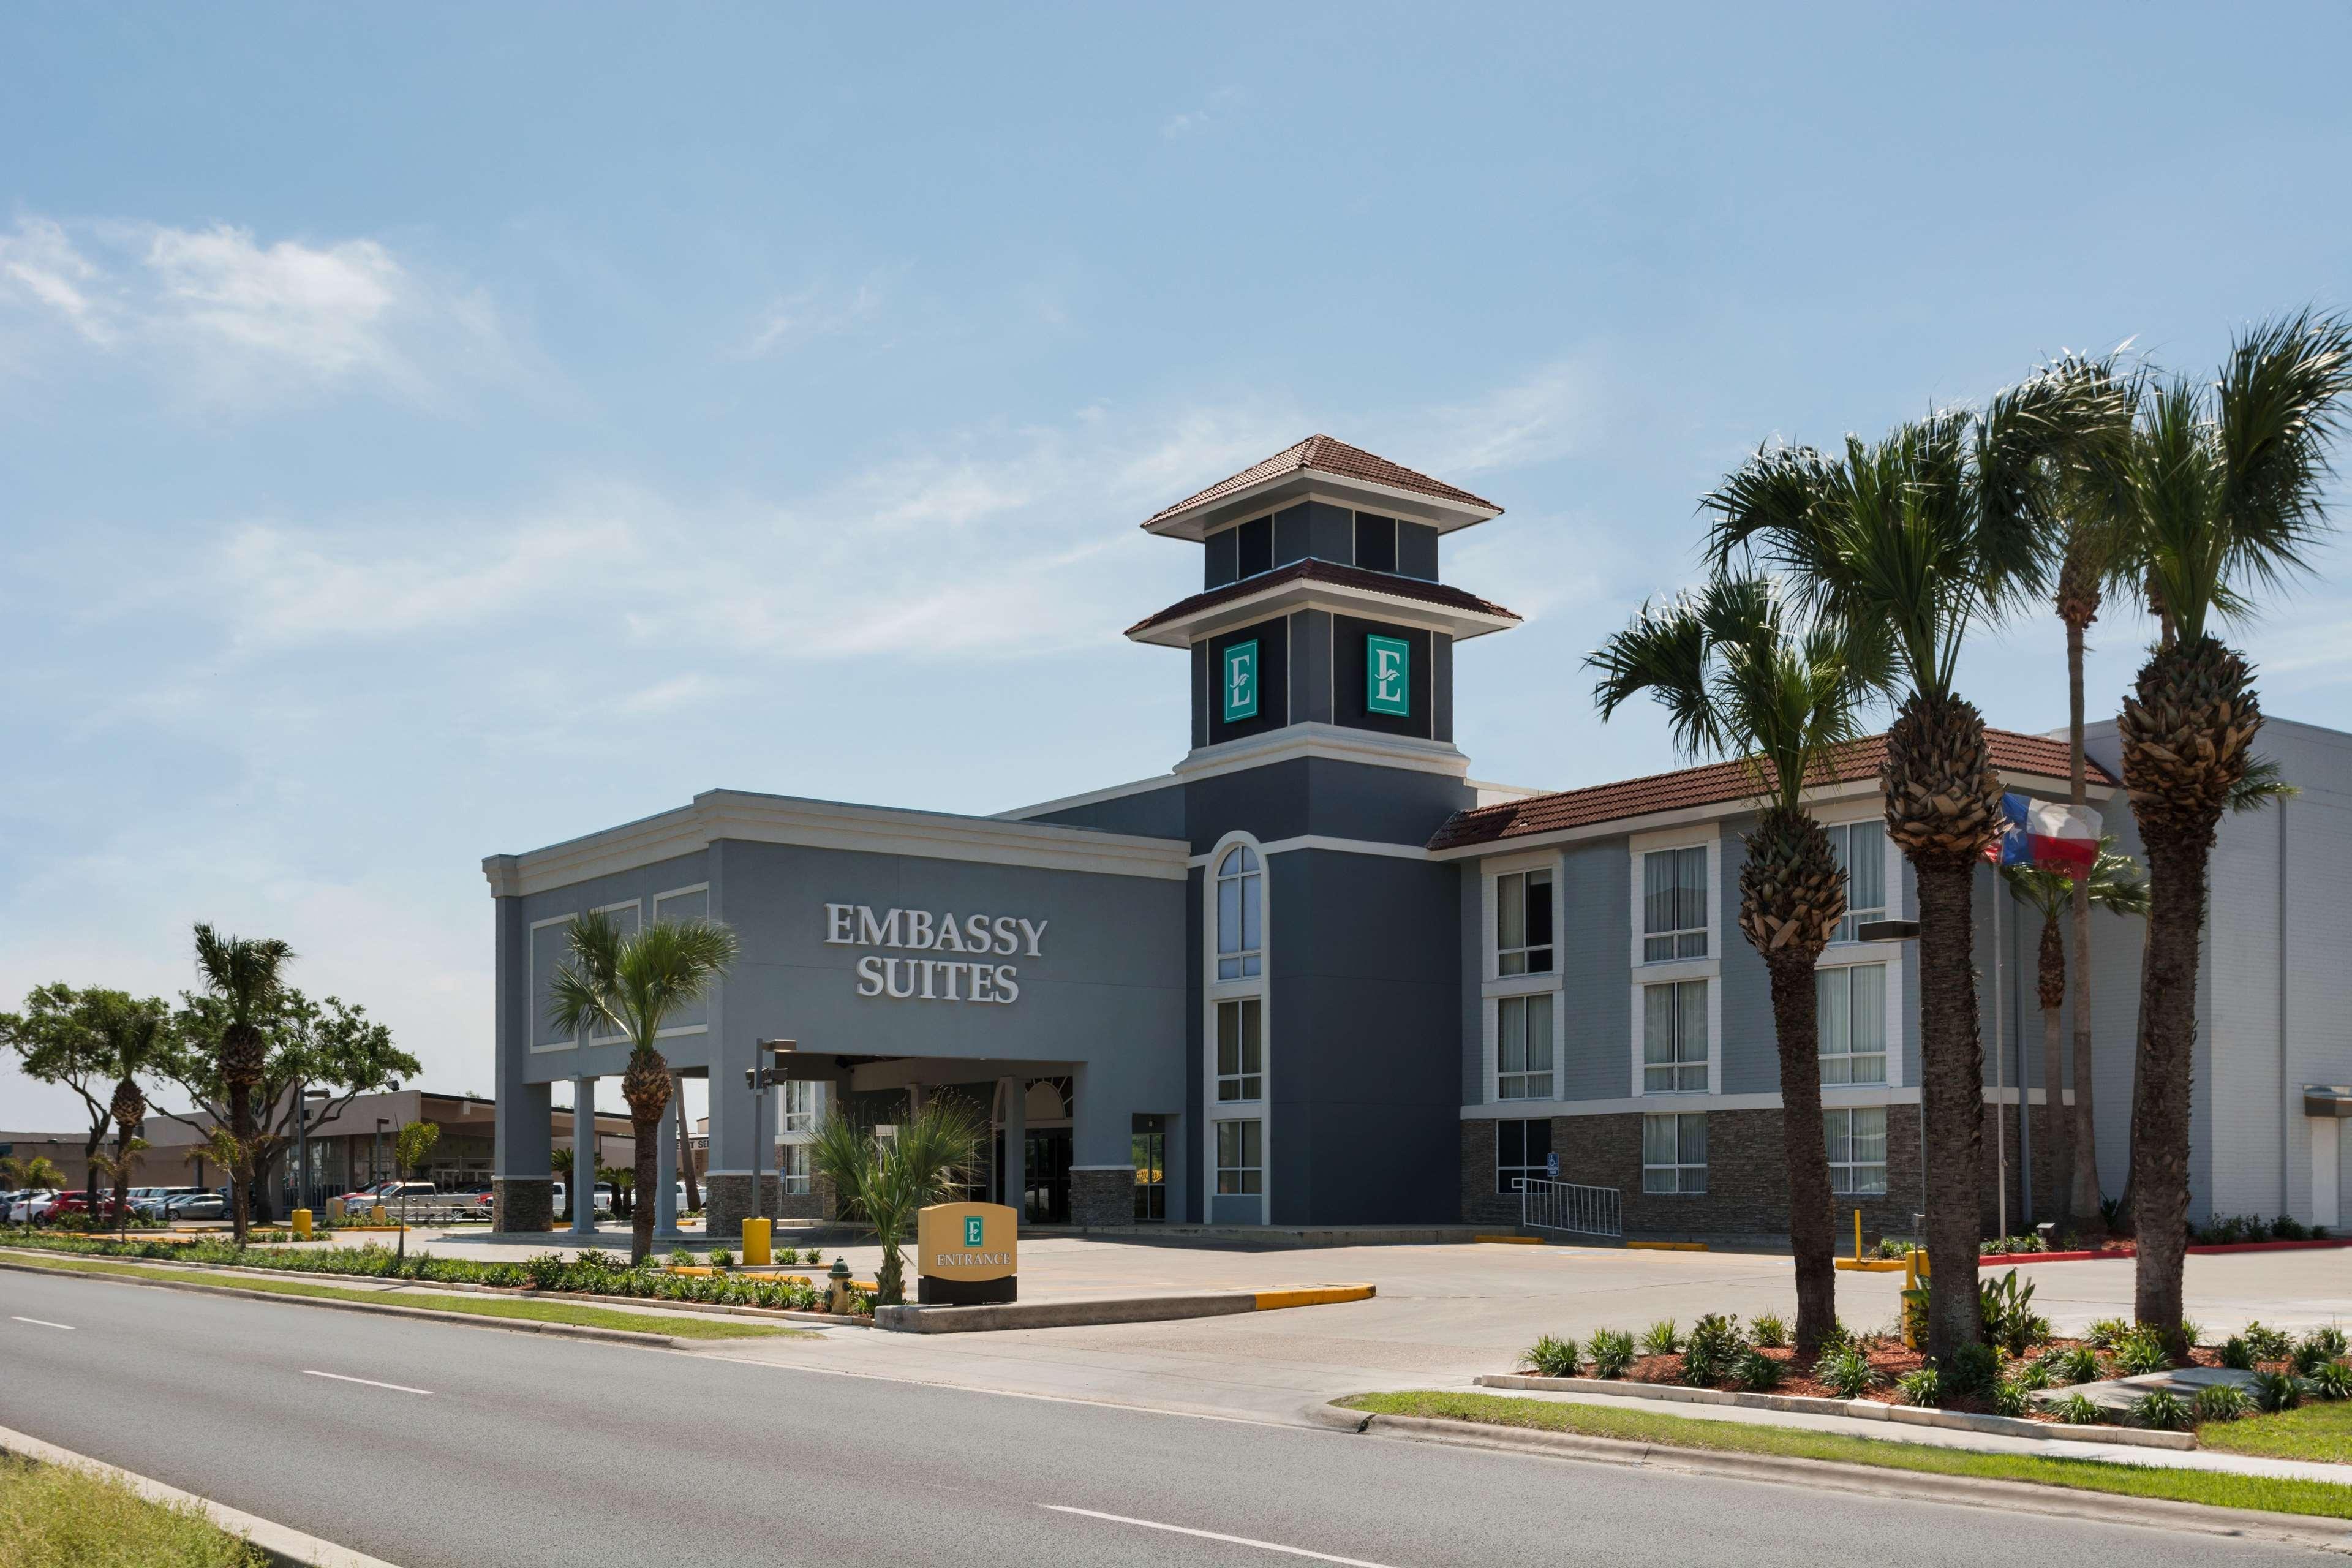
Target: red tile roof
x=1712 y=786
x=1332 y=572
x=1327 y=456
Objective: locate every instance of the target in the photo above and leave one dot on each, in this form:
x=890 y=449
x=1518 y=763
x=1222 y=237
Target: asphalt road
x=450 y=1445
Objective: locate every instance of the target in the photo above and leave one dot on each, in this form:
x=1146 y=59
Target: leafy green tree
x=58 y=1040
x=1932 y=533
x=132 y=1036
x=2226 y=487
x=1740 y=677
x=636 y=984
x=888 y=1182
x=412 y=1146
x=2114 y=884
x=290 y=1044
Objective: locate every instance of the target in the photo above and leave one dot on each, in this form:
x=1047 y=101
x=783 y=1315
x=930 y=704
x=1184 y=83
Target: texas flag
x=2048 y=834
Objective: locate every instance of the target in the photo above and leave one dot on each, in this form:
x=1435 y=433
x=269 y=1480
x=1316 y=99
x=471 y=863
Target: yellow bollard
x=334 y=1211
x=302 y=1223
x=377 y=1216
x=1857 y=1235
x=755 y=1243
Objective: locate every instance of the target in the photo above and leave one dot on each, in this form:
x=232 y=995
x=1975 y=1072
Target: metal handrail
x=1567 y=1207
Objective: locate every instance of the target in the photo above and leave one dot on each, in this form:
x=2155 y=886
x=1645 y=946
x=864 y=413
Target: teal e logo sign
x=972 y=1230
x=1241 y=681
x=1388 y=675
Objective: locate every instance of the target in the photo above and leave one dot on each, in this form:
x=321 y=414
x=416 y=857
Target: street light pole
x=757 y=1079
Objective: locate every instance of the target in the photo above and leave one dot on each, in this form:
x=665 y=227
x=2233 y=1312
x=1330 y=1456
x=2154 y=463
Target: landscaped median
x=507 y=1311
x=1469 y=1414
x=919 y=1319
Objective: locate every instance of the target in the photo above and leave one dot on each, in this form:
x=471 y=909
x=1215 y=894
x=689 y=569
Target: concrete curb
x=917 y=1320
x=288 y=1548
x=2017 y=1496
x=1852 y=1409
x=471 y=1319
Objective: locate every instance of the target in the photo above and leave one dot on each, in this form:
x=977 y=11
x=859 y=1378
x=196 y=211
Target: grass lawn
x=682 y=1327
x=2321 y=1432
x=56 y=1518
x=2208 y=1486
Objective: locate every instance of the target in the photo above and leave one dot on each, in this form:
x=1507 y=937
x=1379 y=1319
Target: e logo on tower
x=1241 y=681
x=1388 y=675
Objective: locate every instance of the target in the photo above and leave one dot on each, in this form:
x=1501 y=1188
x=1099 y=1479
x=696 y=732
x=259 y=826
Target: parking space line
x=44 y=1322
x=396 y=1387
x=1213 y=1535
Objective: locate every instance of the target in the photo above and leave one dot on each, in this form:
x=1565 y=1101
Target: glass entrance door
x=1150 y=1146
x=1045 y=1175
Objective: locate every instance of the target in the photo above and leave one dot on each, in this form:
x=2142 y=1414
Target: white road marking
x=396 y=1387
x=1213 y=1535
x=44 y=1323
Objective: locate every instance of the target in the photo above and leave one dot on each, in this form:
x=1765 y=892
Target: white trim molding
x=1332 y=742
x=716 y=815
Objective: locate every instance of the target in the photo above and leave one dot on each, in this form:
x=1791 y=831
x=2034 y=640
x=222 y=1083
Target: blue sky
x=444 y=431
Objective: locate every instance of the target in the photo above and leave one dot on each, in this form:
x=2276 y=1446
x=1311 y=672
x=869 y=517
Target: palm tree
x=886 y=1183
x=636 y=983
x=1740 y=678
x=2225 y=484
x=116 y=1168
x=30 y=1173
x=130 y=1035
x=1929 y=532
x=246 y=975
x=2114 y=884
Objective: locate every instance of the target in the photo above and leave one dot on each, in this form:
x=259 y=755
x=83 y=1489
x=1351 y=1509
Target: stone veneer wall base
x=1102 y=1197
x=522 y=1205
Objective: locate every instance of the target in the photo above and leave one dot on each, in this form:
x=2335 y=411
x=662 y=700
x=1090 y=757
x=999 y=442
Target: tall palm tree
x=1739 y=677
x=247 y=975
x=117 y=1168
x=2114 y=884
x=1930 y=532
x=886 y=1183
x=2226 y=488
x=636 y=983
x=131 y=1034
x=30 y=1173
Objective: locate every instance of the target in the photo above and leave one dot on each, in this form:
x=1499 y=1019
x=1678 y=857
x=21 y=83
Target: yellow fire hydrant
x=839 y=1279
x=302 y=1223
x=756 y=1233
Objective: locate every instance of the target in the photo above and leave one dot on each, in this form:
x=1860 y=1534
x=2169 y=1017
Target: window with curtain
x=1240 y=944
x=1861 y=849
x=1853 y=1023
x=1241 y=1159
x=793 y=1165
x=800 y=1106
x=1673 y=1038
x=1241 y=1053
x=1674 y=1154
x=1523 y=924
x=1523 y=1048
x=1673 y=904
x=1858 y=1142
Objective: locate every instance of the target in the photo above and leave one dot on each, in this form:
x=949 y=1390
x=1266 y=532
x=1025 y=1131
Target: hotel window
x=1376 y=543
x=1254 y=544
x=1857 y=1140
x=793 y=1165
x=1673 y=1038
x=1674 y=1154
x=1239 y=942
x=1522 y=1152
x=1241 y=1159
x=1861 y=849
x=1523 y=1048
x=1523 y=924
x=1241 y=1055
x=800 y=1106
x=1853 y=1023
x=1673 y=904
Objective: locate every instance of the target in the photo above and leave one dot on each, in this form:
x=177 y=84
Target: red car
x=80 y=1202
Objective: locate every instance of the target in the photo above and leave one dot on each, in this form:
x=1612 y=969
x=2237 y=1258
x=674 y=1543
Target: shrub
x=1759 y=1372
x=2161 y=1409
x=2104 y=1334
x=2005 y=1310
x=2192 y=1333
x=1923 y=1387
x=2031 y=1376
x=2009 y=1397
x=1770 y=1331
x=1551 y=1357
x=1970 y=1369
x=680 y=1257
x=1848 y=1373
x=2268 y=1343
x=1663 y=1338
x=547 y=1270
x=1713 y=1347
x=2142 y=1351
x=2330 y=1340
x=2220 y=1402
x=1838 y=1335
x=1612 y=1351
x=2076 y=1411
x=597 y=1259
x=1998 y=1245
x=2306 y=1359
x=2276 y=1391
x=2236 y=1352
x=2332 y=1380
x=1895 y=1247
x=813 y=1255
x=722 y=1257
x=2286 y=1228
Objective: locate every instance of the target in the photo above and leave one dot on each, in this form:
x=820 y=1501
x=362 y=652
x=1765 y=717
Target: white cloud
x=1548 y=415
x=1211 y=111
x=818 y=311
x=228 y=321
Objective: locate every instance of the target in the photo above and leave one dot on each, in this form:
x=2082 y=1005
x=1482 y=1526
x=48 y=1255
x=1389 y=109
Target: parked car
x=197 y=1205
x=602 y=1199
x=369 y=1195
x=97 y=1205
x=8 y=1201
x=148 y=1203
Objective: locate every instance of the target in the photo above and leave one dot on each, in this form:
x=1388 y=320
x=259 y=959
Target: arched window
x=1239 y=942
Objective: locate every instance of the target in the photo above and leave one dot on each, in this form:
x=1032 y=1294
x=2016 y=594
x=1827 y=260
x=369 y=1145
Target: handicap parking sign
x=1552 y=1167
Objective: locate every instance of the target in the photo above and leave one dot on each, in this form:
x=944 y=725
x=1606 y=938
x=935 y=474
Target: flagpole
x=2000 y=1094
